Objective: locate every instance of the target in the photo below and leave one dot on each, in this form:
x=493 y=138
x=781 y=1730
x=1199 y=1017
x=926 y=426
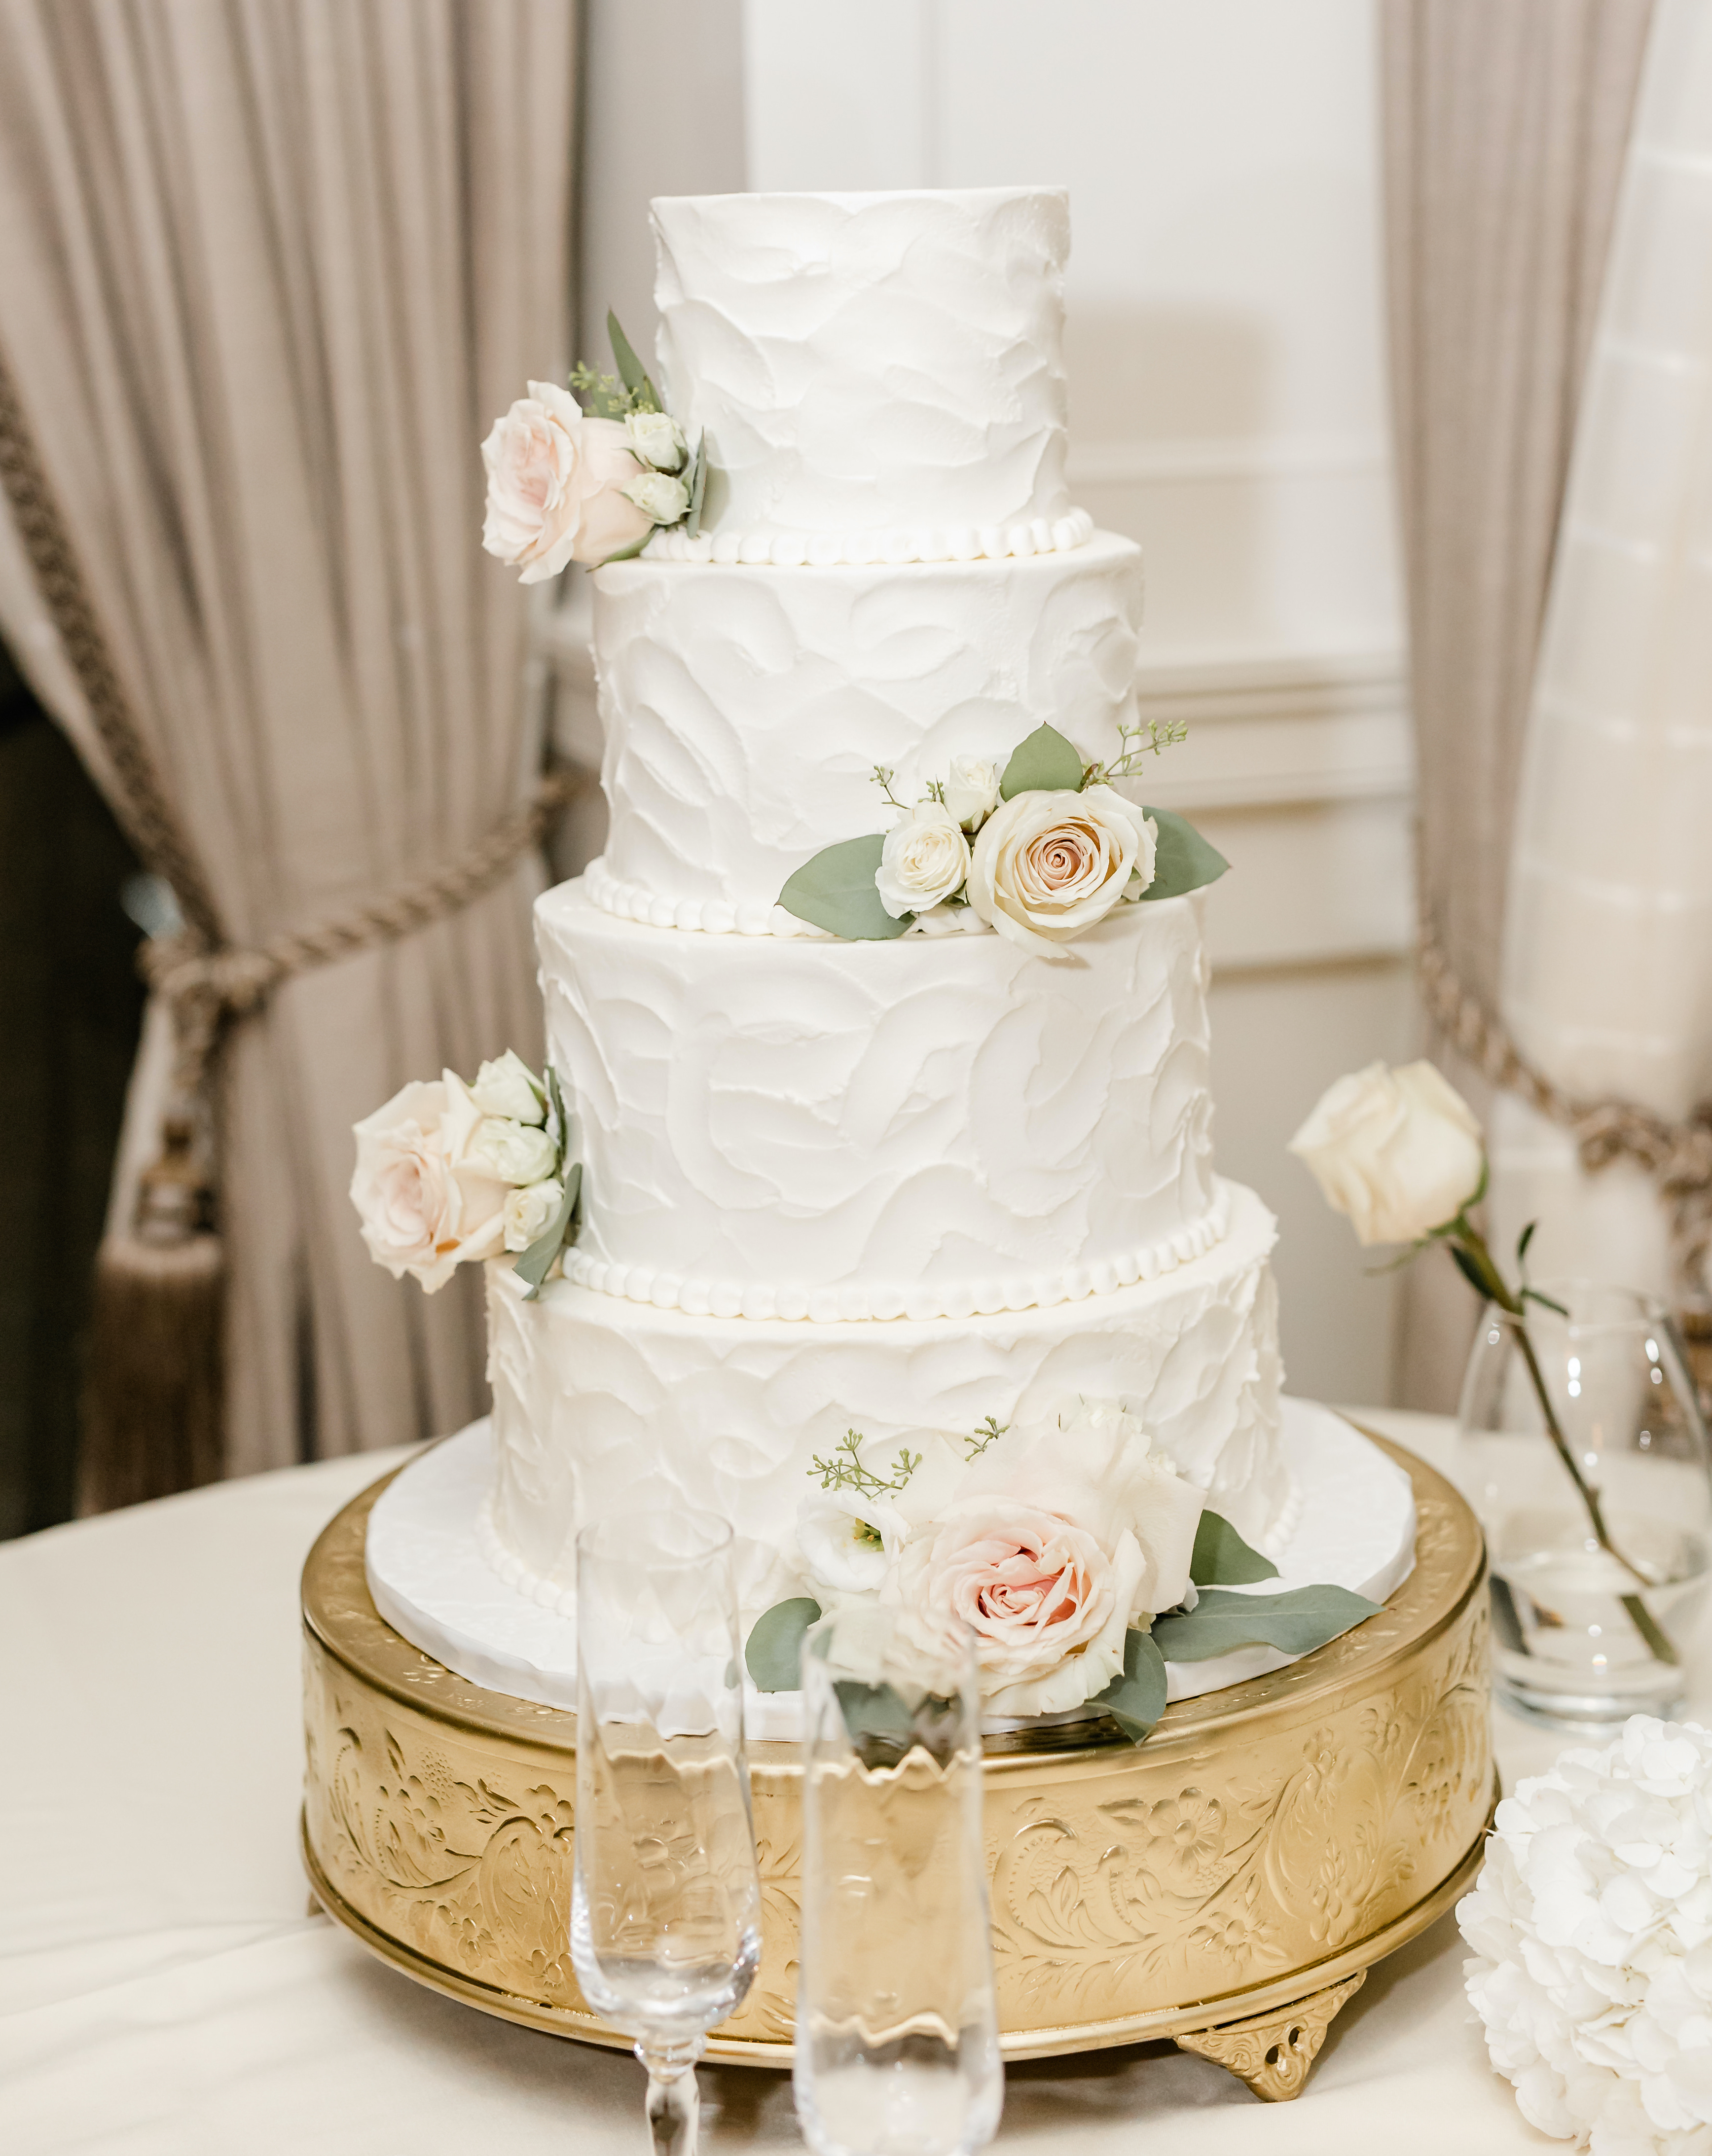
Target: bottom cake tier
x=600 y=1403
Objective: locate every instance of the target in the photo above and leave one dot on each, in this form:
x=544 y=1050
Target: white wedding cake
x=849 y=1202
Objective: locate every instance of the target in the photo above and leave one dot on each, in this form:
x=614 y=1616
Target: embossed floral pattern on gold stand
x=1221 y=1882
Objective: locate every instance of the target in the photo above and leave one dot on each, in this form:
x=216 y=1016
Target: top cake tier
x=880 y=377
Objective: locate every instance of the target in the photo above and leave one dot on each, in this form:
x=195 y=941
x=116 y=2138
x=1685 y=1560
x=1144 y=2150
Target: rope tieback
x=1677 y=1155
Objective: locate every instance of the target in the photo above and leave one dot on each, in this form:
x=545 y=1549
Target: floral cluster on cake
x=1073 y=1550
x=588 y=481
x=450 y=1174
x=1039 y=848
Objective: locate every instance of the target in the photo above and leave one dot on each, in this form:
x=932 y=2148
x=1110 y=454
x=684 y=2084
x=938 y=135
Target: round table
x=164 y=1992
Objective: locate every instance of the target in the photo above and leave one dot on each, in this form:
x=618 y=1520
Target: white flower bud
x=508 y=1088
x=514 y=1152
x=658 y=439
x=530 y=1212
x=665 y=499
x=971 y=789
x=1398 y=1152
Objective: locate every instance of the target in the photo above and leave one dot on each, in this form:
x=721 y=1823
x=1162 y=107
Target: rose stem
x=1640 y=1615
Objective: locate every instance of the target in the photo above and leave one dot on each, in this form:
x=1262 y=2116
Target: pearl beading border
x=511 y=1570
x=749 y=916
x=896 y=548
x=855 y=1301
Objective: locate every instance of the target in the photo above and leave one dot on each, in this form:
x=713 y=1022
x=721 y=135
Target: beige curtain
x=268 y=268
x=1505 y=128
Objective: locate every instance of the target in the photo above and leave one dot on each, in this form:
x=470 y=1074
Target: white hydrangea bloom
x=1592 y=1927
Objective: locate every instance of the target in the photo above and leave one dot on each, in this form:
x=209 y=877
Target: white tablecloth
x=163 y=1993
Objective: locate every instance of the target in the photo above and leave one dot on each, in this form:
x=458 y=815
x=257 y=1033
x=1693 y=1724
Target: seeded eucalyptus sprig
x=849 y=1474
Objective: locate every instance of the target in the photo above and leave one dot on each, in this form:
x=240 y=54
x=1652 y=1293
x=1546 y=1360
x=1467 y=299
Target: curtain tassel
x=151 y=1412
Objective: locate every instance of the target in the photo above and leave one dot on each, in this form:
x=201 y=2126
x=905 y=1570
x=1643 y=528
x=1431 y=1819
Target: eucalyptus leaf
x=1043 y=763
x=776 y=1644
x=1296 y=1622
x=1136 y=1700
x=626 y=553
x=558 y=1121
x=1221 y=1558
x=536 y=1261
x=631 y=372
x=879 y=1725
x=698 y=487
x=835 y=890
x=1183 y=860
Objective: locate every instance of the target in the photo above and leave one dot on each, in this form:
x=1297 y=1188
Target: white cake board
x=1355 y=1528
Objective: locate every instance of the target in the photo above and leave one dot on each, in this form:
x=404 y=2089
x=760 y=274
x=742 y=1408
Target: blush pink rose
x=555 y=486
x=427 y=1202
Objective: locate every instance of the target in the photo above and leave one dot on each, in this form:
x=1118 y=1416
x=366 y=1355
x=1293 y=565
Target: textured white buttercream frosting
x=744 y=713
x=831 y=1129
x=870 y=363
x=600 y=1405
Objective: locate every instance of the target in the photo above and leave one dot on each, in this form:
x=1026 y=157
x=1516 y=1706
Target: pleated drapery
x=1505 y=129
x=268 y=269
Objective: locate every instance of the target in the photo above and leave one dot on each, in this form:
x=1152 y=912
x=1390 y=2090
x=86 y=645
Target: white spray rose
x=428 y=1202
x=1048 y=864
x=508 y=1088
x=555 y=486
x=1399 y=1152
x=657 y=438
x=531 y=1211
x=971 y=789
x=846 y=1538
x=516 y=1153
x=665 y=499
x=924 y=859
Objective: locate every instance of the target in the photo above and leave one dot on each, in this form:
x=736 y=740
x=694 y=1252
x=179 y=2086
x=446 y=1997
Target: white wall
x=1227 y=410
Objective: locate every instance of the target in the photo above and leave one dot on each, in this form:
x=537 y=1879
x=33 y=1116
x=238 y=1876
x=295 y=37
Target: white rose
x=657 y=438
x=508 y=1088
x=1400 y=1152
x=1054 y=1544
x=665 y=499
x=555 y=481
x=1048 y=864
x=925 y=858
x=426 y=1201
x=516 y=1153
x=846 y=1539
x=531 y=1211
x=971 y=789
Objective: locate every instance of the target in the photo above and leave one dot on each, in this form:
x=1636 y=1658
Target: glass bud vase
x=1585 y=1455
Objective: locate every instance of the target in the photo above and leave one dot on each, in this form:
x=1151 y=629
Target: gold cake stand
x=1228 y=1884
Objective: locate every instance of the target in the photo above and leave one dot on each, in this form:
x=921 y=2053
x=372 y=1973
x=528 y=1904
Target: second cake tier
x=823 y=1129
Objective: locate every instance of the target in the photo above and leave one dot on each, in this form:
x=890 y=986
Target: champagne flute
x=896 y=2051
x=665 y=1908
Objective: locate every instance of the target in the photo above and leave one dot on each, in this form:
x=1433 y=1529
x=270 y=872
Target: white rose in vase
x=426 y=1202
x=555 y=486
x=531 y=1211
x=665 y=499
x=925 y=858
x=658 y=439
x=971 y=789
x=516 y=1153
x=1048 y=864
x=1050 y=1547
x=508 y=1088
x=1399 y=1152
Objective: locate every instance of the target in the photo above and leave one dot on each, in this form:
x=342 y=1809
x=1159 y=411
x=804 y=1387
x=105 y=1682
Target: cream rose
x=657 y=440
x=971 y=789
x=555 y=486
x=516 y=1153
x=1399 y=1152
x=1052 y=1545
x=426 y=1202
x=664 y=500
x=924 y=859
x=1047 y=865
x=508 y=1088
x=530 y=1212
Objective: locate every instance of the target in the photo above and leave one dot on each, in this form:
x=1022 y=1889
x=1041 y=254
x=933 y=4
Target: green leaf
x=776 y=1644
x=1045 y=763
x=835 y=890
x=558 y=1123
x=1221 y=1558
x=698 y=487
x=1523 y=1239
x=1298 y=1621
x=1471 y=1272
x=1183 y=860
x=536 y=1261
x=631 y=372
x=626 y=553
x=1534 y=1295
x=1136 y=1700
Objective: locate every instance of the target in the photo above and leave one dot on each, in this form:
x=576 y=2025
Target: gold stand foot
x=1273 y=2052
